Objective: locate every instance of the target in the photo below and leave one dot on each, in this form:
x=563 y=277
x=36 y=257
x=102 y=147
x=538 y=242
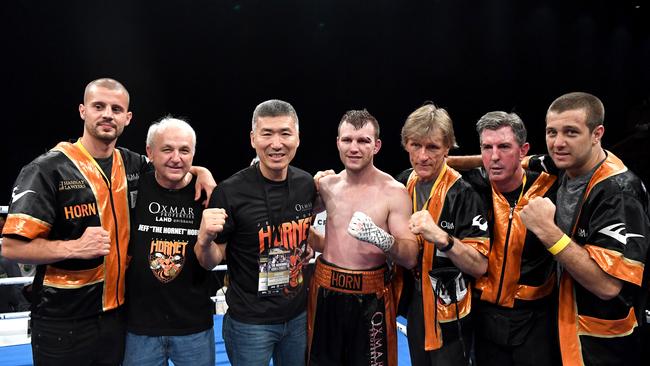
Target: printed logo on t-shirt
x=291 y=236
x=307 y=206
x=166 y=259
x=169 y=213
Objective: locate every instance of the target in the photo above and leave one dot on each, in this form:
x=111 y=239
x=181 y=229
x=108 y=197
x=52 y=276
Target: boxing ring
x=15 y=347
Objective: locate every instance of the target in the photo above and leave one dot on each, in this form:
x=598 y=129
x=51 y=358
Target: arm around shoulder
x=204 y=182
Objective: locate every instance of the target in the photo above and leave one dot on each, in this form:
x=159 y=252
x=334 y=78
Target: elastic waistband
x=349 y=281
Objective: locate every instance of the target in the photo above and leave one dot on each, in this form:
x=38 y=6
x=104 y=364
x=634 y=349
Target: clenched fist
x=362 y=228
x=422 y=223
x=94 y=242
x=211 y=224
x=538 y=216
x=321 y=174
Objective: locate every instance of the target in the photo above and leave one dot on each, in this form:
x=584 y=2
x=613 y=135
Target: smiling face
x=502 y=155
x=357 y=147
x=171 y=153
x=570 y=143
x=105 y=113
x=275 y=140
x=427 y=155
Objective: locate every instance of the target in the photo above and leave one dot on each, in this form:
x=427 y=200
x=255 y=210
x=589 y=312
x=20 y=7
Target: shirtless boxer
x=351 y=318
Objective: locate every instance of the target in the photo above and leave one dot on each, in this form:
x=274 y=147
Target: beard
x=97 y=131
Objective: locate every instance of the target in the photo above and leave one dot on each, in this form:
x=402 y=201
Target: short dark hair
x=274 y=108
x=359 y=118
x=108 y=83
x=497 y=119
x=592 y=106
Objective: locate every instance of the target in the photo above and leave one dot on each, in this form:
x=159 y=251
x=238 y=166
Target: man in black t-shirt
x=169 y=311
x=269 y=213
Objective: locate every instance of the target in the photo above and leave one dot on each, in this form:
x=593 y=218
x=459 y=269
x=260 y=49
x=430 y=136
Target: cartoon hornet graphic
x=296 y=259
x=165 y=267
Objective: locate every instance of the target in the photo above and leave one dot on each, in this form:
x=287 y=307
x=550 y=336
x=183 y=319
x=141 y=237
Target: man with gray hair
x=169 y=311
x=269 y=213
x=513 y=309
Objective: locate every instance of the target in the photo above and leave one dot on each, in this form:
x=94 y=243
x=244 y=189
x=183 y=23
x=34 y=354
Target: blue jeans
x=255 y=344
x=196 y=349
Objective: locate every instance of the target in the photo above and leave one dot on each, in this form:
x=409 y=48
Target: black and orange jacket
x=520 y=269
x=458 y=210
x=56 y=197
x=613 y=226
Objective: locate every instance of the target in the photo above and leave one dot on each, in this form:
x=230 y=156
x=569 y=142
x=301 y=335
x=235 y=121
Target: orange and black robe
x=520 y=269
x=458 y=210
x=56 y=197
x=613 y=226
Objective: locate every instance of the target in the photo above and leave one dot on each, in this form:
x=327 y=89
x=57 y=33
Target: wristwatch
x=450 y=244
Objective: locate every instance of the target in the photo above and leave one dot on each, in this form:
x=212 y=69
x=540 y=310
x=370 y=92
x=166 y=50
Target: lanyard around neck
x=425 y=206
x=521 y=194
x=274 y=220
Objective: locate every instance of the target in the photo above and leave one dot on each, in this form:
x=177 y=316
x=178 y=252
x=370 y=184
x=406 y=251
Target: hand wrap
x=362 y=228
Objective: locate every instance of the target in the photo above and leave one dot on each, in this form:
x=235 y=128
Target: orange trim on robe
x=571 y=324
x=511 y=289
x=615 y=264
x=113 y=208
x=67 y=279
x=446 y=313
x=27 y=226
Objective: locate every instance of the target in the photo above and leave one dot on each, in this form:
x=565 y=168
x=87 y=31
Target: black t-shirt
x=168 y=292
x=254 y=206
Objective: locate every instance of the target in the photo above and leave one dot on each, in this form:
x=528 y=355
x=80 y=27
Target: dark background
x=214 y=61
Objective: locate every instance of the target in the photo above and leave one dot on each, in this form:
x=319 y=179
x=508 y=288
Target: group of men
x=524 y=261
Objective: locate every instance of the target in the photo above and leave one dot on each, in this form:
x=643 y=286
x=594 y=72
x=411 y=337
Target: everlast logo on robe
x=81 y=210
x=347 y=281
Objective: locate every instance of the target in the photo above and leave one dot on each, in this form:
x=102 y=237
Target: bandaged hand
x=362 y=228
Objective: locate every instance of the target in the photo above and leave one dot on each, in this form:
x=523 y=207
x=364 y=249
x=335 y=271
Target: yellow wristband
x=560 y=245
